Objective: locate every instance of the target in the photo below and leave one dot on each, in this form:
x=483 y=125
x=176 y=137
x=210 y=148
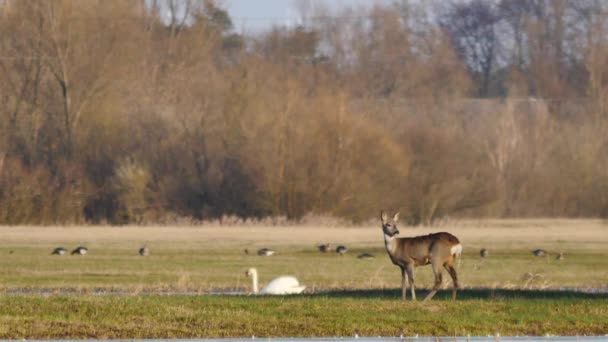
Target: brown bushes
x=107 y=114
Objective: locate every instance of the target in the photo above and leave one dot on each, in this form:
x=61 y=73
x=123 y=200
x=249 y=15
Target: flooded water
x=246 y=292
x=113 y=292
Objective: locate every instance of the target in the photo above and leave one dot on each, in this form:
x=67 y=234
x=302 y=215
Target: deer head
x=389 y=228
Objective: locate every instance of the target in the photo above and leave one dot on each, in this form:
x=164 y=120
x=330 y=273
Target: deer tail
x=457 y=253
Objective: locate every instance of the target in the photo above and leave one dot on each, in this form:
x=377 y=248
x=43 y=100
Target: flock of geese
x=484 y=253
x=78 y=250
x=81 y=250
x=323 y=248
x=145 y=251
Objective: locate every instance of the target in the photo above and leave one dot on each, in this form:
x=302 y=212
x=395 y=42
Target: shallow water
x=111 y=292
x=245 y=292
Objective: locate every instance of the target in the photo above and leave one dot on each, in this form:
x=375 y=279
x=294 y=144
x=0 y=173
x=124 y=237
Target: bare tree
x=472 y=27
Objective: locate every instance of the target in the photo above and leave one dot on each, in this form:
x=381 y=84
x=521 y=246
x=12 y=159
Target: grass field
x=345 y=295
x=366 y=313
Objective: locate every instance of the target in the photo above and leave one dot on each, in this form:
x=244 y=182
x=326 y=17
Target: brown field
x=530 y=232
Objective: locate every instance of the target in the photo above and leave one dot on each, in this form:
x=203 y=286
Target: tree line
x=148 y=111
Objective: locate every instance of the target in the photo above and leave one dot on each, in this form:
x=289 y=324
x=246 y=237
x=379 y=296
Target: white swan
x=278 y=286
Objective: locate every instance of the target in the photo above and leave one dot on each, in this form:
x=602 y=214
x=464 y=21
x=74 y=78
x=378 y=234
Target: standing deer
x=438 y=249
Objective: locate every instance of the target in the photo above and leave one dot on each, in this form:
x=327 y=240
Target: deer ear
x=396 y=216
x=383 y=216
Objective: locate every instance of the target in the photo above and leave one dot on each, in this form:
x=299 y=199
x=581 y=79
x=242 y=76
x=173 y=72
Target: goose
x=265 y=252
x=324 y=248
x=59 y=251
x=278 y=286
x=144 y=251
x=483 y=253
x=80 y=250
x=341 y=250
x=539 y=252
x=365 y=256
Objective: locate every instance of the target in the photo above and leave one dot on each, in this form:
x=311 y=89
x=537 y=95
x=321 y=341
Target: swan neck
x=254 y=282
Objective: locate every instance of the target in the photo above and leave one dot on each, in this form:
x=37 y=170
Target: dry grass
x=533 y=231
x=571 y=235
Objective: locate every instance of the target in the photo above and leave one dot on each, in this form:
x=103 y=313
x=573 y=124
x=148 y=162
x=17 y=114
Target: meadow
x=115 y=293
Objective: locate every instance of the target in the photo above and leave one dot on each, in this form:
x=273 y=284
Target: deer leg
x=452 y=272
x=404 y=280
x=410 y=274
x=438 y=280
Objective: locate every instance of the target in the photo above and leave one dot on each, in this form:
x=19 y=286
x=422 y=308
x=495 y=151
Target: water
x=244 y=291
x=114 y=292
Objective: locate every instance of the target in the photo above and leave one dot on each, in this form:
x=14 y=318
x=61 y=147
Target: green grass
x=211 y=268
x=340 y=313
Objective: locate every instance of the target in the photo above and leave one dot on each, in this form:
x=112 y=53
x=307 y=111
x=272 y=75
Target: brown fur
x=408 y=253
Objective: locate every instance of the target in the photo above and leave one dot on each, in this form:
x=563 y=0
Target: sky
x=258 y=15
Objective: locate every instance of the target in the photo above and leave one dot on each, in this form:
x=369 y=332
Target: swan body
x=282 y=285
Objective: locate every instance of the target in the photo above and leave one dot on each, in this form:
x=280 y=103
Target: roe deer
x=438 y=249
